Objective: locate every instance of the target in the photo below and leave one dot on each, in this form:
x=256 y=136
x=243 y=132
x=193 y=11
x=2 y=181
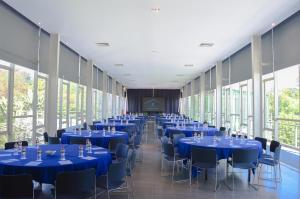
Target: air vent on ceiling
x=188 y=65
x=101 y=44
x=119 y=65
x=206 y=44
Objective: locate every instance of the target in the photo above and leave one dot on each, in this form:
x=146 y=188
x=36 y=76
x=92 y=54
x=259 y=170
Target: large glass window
x=210 y=106
x=4 y=79
x=287 y=81
x=72 y=104
x=196 y=107
x=23 y=103
x=269 y=107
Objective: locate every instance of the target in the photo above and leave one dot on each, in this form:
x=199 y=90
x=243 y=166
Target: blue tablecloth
x=170 y=124
x=223 y=146
x=98 y=138
x=49 y=167
x=130 y=128
x=189 y=131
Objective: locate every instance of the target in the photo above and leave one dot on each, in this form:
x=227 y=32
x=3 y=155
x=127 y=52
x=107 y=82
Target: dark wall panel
x=135 y=99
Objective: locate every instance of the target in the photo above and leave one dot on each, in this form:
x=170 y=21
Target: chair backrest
x=177 y=137
x=59 y=132
x=233 y=135
x=53 y=140
x=137 y=140
x=45 y=135
x=122 y=151
x=11 y=145
x=78 y=140
x=203 y=155
x=164 y=139
x=93 y=127
x=168 y=149
x=76 y=183
x=222 y=128
x=16 y=186
x=159 y=132
x=263 y=142
x=273 y=145
x=277 y=154
x=114 y=142
x=244 y=156
x=130 y=161
x=84 y=126
x=116 y=171
x=211 y=126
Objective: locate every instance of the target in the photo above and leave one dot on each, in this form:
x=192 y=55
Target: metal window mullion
x=34 y=105
x=68 y=105
x=11 y=72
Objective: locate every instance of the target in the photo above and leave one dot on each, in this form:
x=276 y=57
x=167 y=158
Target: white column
x=192 y=98
x=202 y=95
x=89 y=93
x=104 y=95
x=114 y=93
x=257 y=85
x=53 y=72
x=219 y=94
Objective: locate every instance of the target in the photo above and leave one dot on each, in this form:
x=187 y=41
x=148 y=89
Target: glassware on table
x=23 y=155
x=16 y=149
x=80 y=151
x=39 y=154
x=62 y=153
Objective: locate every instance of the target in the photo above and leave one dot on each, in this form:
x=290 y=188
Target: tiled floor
x=150 y=183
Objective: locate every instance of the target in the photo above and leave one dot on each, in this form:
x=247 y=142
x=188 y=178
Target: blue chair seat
x=264 y=155
x=243 y=165
x=204 y=165
x=267 y=161
x=101 y=183
x=177 y=158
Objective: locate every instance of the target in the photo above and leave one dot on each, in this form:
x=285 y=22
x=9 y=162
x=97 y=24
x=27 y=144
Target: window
x=288 y=120
x=196 y=107
x=109 y=105
x=72 y=104
x=269 y=108
x=41 y=106
x=23 y=103
x=4 y=92
x=210 y=106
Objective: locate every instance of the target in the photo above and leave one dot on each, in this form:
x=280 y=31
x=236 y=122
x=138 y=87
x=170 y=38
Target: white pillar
x=202 y=95
x=219 y=94
x=257 y=85
x=114 y=94
x=53 y=72
x=89 y=93
x=193 y=99
x=104 y=95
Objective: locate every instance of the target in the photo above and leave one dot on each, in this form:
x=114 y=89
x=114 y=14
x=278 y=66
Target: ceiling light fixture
x=119 y=65
x=155 y=9
x=127 y=74
x=102 y=44
x=188 y=65
x=273 y=24
x=206 y=44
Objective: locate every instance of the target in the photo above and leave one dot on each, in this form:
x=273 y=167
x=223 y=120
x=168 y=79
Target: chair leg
x=216 y=180
x=275 y=176
x=279 y=167
x=173 y=172
x=190 y=174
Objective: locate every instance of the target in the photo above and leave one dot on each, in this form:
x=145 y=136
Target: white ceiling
x=174 y=33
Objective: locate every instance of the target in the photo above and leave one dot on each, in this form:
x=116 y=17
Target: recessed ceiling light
x=119 y=65
x=155 y=9
x=102 y=44
x=206 y=44
x=188 y=65
x=273 y=24
x=179 y=75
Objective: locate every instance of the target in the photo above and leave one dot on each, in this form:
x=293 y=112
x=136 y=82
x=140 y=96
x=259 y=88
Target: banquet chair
x=263 y=142
x=53 y=140
x=11 y=145
x=204 y=158
x=92 y=127
x=274 y=162
x=222 y=128
x=121 y=151
x=59 y=132
x=159 y=132
x=112 y=146
x=273 y=145
x=16 y=186
x=76 y=184
x=244 y=159
x=169 y=155
x=45 y=135
x=137 y=146
x=176 y=138
x=78 y=140
x=115 y=180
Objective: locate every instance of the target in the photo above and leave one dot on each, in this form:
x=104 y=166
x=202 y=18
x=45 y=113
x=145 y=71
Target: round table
x=189 y=131
x=170 y=124
x=98 y=138
x=45 y=171
x=128 y=127
x=223 y=145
